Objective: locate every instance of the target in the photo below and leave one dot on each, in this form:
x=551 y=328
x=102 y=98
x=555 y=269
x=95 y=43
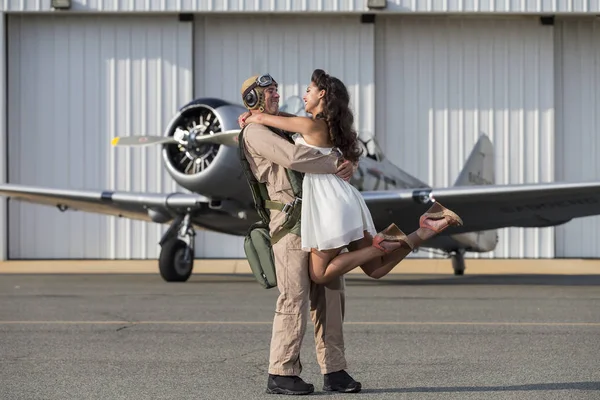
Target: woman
x=334 y=214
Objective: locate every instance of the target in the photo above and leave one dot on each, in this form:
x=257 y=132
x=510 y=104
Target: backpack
x=258 y=243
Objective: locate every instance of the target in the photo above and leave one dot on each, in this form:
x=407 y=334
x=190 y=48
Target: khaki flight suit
x=268 y=154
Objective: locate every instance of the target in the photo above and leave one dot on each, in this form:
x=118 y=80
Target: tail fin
x=479 y=168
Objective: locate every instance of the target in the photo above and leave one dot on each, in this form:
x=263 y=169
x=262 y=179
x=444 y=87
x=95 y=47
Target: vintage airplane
x=199 y=149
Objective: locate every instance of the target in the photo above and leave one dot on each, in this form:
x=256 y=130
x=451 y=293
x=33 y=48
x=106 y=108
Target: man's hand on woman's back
x=345 y=170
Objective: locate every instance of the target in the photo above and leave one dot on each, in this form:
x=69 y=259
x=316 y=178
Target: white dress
x=334 y=212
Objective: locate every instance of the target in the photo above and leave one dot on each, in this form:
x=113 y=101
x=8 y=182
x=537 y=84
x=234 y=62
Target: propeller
x=226 y=138
x=142 y=140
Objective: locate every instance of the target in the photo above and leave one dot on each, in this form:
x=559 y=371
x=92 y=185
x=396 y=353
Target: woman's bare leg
x=434 y=221
x=367 y=241
x=317 y=264
x=378 y=262
x=389 y=261
x=325 y=265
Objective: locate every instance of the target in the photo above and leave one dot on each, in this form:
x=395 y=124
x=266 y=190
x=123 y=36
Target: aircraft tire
x=171 y=264
x=458 y=263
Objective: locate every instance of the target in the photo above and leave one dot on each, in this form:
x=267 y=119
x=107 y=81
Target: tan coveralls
x=268 y=154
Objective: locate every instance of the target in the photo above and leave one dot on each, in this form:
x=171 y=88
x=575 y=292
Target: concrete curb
x=240 y=266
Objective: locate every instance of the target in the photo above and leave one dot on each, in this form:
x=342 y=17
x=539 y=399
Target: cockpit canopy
x=370 y=147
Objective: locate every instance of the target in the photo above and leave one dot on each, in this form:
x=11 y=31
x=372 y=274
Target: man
x=268 y=154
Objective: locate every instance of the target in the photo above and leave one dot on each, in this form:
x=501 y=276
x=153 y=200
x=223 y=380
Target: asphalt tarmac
x=407 y=337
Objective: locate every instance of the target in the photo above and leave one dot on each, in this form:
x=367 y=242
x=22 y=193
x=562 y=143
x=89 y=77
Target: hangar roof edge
x=478 y=7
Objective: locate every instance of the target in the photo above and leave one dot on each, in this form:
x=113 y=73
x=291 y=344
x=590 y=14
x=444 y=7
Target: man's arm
x=262 y=141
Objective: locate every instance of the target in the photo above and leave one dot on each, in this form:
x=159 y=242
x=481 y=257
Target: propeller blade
x=142 y=140
x=227 y=138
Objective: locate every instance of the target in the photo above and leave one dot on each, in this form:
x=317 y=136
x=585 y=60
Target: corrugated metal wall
x=3 y=144
x=440 y=82
x=577 y=126
x=396 y=6
x=230 y=49
x=73 y=85
x=136 y=94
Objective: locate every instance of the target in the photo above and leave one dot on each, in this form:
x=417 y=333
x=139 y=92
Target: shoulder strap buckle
x=286 y=208
x=291 y=205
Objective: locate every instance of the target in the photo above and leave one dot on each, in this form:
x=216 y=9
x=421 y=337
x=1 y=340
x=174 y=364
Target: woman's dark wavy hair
x=337 y=114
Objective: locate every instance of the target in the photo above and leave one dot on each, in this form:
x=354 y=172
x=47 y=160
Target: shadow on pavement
x=516 y=388
x=351 y=279
x=426 y=280
x=517 y=279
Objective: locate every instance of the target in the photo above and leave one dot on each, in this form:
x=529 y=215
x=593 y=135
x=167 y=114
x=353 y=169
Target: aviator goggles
x=265 y=80
x=262 y=81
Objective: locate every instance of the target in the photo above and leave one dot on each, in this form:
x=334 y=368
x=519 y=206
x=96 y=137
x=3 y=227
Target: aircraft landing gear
x=458 y=262
x=176 y=260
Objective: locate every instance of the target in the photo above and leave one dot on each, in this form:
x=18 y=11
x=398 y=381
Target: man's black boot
x=279 y=384
x=340 y=381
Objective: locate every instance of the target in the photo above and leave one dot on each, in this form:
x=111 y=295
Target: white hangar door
x=440 y=82
x=577 y=126
x=229 y=49
x=74 y=84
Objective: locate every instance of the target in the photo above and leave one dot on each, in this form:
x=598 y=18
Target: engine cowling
x=209 y=169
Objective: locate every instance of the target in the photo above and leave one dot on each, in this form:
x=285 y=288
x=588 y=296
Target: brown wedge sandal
x=437 y=212
x=391 y=234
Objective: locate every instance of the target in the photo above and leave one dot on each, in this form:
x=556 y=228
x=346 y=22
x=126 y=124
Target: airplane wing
x=490 y=206
x=480 y=207
x=140 y=206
